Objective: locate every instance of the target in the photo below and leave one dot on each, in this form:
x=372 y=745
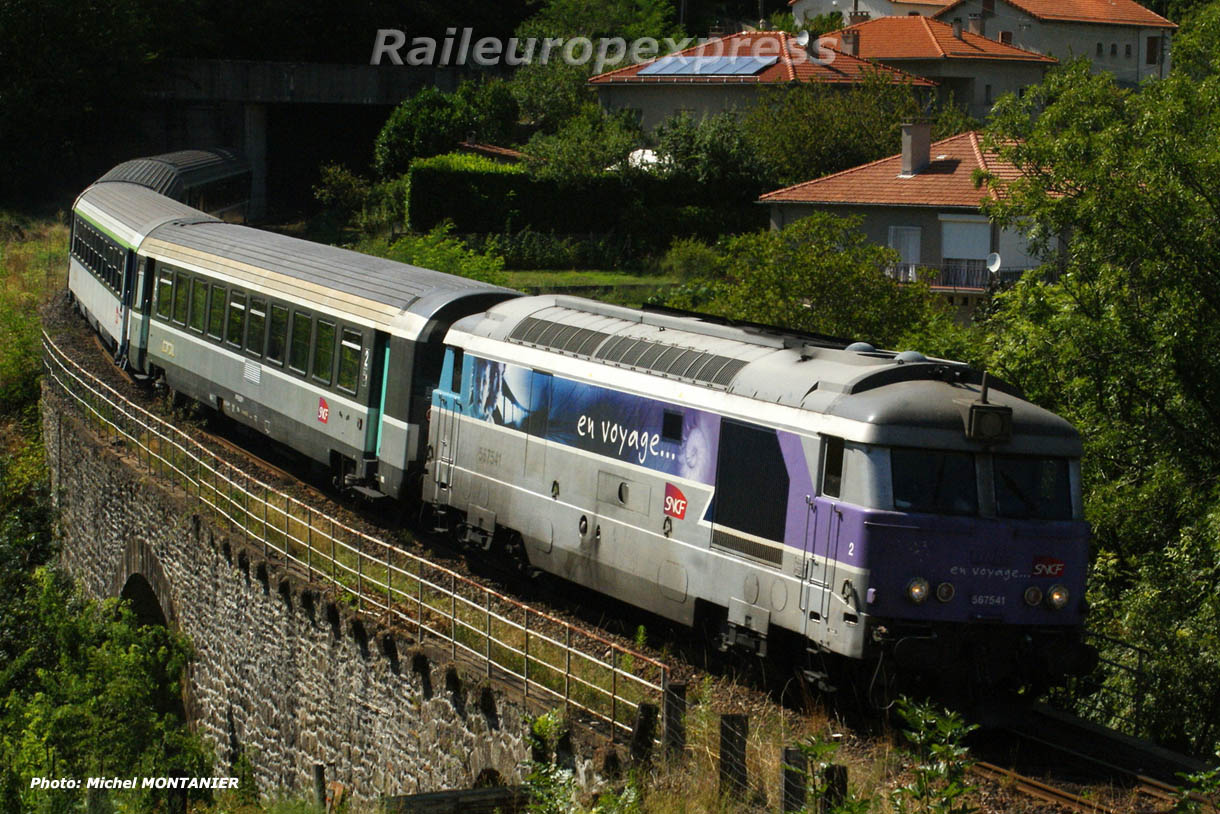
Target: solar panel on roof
x=708 y=66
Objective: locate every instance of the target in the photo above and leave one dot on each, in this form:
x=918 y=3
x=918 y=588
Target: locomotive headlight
x=945 y=591
x=1057 y=597
x=917 y=590
x=1033 y=596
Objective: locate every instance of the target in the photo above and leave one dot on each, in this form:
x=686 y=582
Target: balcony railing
x=960 y=274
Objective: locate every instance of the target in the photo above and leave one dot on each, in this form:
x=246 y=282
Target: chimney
x=849 y=43
x=916 y=147
x=857 y=17
x=957 y=27
x=976 y=25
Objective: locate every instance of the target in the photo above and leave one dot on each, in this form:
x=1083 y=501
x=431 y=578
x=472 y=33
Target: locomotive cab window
x=278 y=336
x=324 y=352
x=832 y=469
x=349 y=360
x=257 y=319
x=934 y=481
x=298 y=354
x=237 y=319
x=1028 y=488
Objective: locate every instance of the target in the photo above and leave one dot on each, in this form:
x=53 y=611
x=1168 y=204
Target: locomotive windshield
x=1032 y=488
x=1023 y=487
x=934 y=482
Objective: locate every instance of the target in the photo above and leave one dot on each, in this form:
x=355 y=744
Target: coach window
x=751 y=481
x=199 y=304
x=165 y=294
x=832 y=469
x=324 y=352
x=237 y=318
x=278 y=334
x=349 y=360
x=258 y=325
x=298 y=356
x=182 y=286
x=216 y=314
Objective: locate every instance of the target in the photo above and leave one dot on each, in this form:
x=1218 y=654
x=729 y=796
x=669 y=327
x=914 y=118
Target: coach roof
x=132 y=211
x=368 y=289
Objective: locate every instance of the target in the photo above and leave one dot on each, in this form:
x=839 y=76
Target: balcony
x=960 y=274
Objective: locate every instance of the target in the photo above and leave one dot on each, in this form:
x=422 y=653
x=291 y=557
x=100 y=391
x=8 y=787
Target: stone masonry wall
x=280 y=672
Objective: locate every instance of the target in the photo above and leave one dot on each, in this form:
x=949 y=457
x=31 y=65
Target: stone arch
x=141 y=579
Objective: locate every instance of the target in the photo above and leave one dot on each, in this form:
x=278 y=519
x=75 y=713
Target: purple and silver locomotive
x=808 y=496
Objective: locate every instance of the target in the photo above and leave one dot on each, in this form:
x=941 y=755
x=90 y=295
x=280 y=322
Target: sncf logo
x=675 y=501
x=323 y=410
x=1048 y=567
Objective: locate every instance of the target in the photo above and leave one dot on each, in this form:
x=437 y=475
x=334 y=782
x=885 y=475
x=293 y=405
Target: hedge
x=482 y=196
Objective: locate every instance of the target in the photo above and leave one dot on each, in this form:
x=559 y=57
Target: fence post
x=675 y=718
x=265 y=535
x=613 y=694
x=525 y=671
x=309 y=544
x=419 y=601
x=733 y=731
x=795 y=778
x=835 y=778
x=643 y=732
x=487 y=638
x=389 y=582
x=567 y=668
x=453 y=616
x=359 y=578
x=334 y=559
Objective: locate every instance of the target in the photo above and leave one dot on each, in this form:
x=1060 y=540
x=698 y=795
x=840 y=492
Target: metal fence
x=595 y=679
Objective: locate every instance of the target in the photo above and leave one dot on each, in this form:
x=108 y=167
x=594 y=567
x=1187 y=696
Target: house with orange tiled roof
x=924 y=204
x=972 y=69
x=728 y=73
x=805 y=9
x=1119 y=36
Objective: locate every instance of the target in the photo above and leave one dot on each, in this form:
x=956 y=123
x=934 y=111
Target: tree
x=588 y=144
x=550 y=93
x=1124 y=345
x=715 y=151
x=815 y=129
x=819 y=274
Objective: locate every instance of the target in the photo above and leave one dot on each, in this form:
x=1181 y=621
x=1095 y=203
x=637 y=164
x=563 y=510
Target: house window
x=987 y=94
x=905 y=240
x=989 y=6
x=1128 y=50
x=1153 y=56
x=1114 y=49
x=1101 y=49
x=1006 y=37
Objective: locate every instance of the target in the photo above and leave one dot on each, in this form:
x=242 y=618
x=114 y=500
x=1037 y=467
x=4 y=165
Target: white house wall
x=804 y=9
x=653 y=104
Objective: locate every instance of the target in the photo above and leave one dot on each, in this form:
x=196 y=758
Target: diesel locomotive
x=807 y=495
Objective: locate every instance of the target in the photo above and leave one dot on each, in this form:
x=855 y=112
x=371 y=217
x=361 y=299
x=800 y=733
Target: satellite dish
x=802 y=39
x=993 y=262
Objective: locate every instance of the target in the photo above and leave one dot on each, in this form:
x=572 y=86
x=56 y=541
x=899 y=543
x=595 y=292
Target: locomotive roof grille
x=674 y=361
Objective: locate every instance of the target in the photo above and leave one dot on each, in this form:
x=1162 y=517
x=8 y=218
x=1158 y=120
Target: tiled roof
x=946 y=181
x=888 y=38
x=1110 y=12
x=505 y=154
x=793 y=64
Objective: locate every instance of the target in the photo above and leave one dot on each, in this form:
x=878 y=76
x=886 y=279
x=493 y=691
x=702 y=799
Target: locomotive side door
x=831 y=520
x=811 y=591
x=446 y=409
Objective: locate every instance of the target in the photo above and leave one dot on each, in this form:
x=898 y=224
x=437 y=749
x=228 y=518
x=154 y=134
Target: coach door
x=126 y=298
